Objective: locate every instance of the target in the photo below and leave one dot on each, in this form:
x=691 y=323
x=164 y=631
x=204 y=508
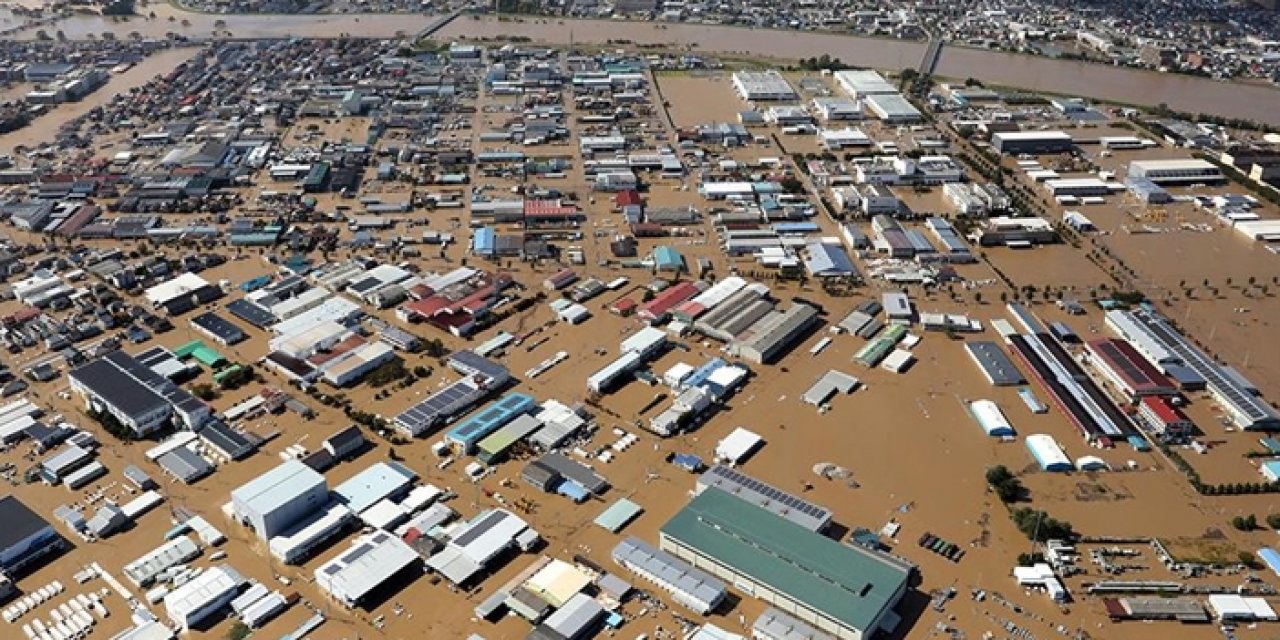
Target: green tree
x=238 y=631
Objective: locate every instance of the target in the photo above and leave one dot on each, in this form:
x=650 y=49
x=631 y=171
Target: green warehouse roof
x=850 y=585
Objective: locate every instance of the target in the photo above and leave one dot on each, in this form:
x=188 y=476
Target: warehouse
x=204 y=595
x=488 y=420
x=837 y=108
x=806 y=514
x=1031 y=142
x=991 y=418
x=844 y=590
x=774 y=335
x=1233 y=608
x=577 y=619
x=776 y=625
x=481 y=377
x=1165 y=419
x=1176 y=172
x=828 y=261
x=1016 y=232
x=371 y=562
x=144 y=570
x=762 y=85
x=279 y=498
x=136 y=395
x=223 y=331
x=831 y=383
x=301 y=540
x=1077 y=187
x=379 y=481
x=1127 y=370
x=493 y=448
x=552 y=468
x=1047 y=453
x=687 y=585
x=26 y=537
x=995 y=364
x=181 y=294
x=860 y=83
x=353 y=365
x=1147 y=191
x=1157 y=340
x=475 y=544
x=893 y=108
x=612 y=374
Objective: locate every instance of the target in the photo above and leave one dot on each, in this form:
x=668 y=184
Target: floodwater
x=1063 y=76
x=45 y=128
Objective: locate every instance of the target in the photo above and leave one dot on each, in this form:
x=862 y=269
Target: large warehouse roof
x=850 y=585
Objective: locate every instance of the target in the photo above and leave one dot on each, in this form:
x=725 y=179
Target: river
x=1184 y=93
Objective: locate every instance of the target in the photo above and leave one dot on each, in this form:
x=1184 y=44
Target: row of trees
x=1039 y=526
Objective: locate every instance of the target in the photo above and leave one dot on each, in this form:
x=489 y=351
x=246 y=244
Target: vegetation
x=119 y=8
x=1039 y=526
x=1273 y=520
x=111 y=425
x=238 y=631
x=823 y=63
x=1028 y=559
x=387 y=373
x=204 y=391
x=237 y=378
x=1245 y=523
x=1005 y=484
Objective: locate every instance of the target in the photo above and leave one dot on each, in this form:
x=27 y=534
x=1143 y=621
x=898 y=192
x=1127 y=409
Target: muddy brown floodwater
x=45 y=128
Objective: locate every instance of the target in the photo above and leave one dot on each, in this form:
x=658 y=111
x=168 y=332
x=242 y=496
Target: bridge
x=436 y=26
x=932 y=54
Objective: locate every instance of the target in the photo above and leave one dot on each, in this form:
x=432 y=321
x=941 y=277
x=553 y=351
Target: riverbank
x=1116 y=84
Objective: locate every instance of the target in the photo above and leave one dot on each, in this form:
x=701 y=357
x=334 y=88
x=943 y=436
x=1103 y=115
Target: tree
x=977 y=297
x=1039 y=525
x=238 y=631
x=119 y=8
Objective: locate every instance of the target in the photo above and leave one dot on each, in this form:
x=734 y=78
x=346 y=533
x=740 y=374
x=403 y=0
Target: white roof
x=1032 y=135
x=1047 y=450
x=370 y=561
x=1234 y=606
x=643 y=340
x=737 y=445
x=215 y=583
x=170 y=289
x=384 y=514
x=989 y=416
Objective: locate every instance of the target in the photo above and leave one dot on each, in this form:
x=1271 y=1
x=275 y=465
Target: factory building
x=1176 y=172
x=762 y=85
x=991 y=418
x=773 y=335
x=370 y=563
x=806 y=514
x=860 y=83
x=1126 y=369
x=204 y=595
x=846 y=591
x=687 y=585
x=1032 y=142
x=1164 y=418
x=279 y=498
x=893 y=108
x=135 y=395
x=25 y=538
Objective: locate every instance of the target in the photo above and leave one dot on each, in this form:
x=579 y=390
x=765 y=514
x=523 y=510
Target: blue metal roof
x=490 y=419
x=485 y=240
x=830 y=260
x=667 y=257
x=1271 y=557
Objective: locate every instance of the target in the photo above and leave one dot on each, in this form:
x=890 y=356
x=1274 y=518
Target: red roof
x=548 y=208
x=628 y=197
x=1167 y=413
x=1129 y=366
x=623 y=307
x=667 y=300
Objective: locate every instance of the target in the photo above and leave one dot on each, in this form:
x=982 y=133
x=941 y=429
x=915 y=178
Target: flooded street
x=44 y=128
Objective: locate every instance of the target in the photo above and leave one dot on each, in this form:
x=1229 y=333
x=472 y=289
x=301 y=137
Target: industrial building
x=1032 y=142
x=1165 y=419
x=279 y=498
x=991 y=419
x=860 y=83
x=687 y=585
x=996 y=366
x=785 y=505
x=1176 y=172
x=773 y=336
x=204 y=595
x=847 y=591
x=370 y=563
x=1153 y=336
x=480 y=378
x=474 y=545
x=831 y=383
x=1015 y=232
x=893 y=108
x=135 y=395
x=1047 y=453
x=468 y=433
x=1126 y=369
x=762 y=85
x=25 y=538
